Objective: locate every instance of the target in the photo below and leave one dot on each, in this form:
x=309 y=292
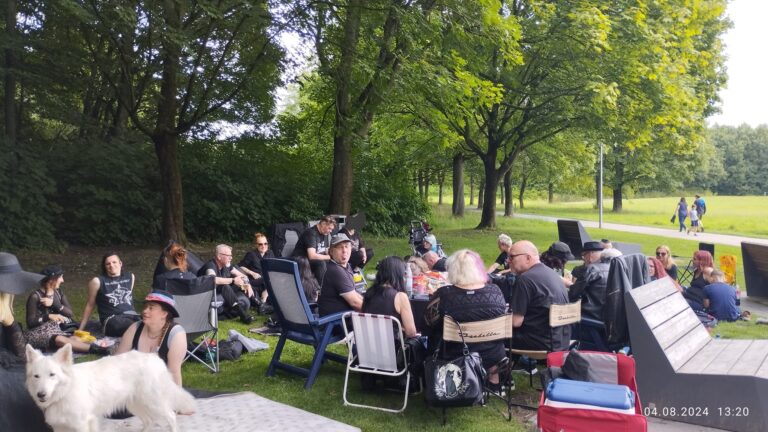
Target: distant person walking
x=682 y=213
x=701 y=208
x=694 y=221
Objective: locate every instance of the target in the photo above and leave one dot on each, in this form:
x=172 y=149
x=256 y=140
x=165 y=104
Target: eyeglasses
x=261 y=244
x=512 y=256
x=226 y=255
x=658 y=254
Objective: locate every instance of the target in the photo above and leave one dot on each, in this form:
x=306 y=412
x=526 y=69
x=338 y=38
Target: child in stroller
x=422 y=240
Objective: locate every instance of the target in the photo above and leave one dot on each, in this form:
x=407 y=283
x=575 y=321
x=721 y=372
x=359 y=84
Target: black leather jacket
x=590 y=284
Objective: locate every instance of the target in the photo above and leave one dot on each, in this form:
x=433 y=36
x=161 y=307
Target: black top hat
x=592 y=246
x=14 y=280
x=51 y=272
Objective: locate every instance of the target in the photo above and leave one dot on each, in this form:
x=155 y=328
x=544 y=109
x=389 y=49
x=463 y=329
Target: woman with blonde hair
x=664 y=255
x=469 y=298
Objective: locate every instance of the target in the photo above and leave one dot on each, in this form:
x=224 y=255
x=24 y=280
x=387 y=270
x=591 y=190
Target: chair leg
x=276 y=355
x=317 y=360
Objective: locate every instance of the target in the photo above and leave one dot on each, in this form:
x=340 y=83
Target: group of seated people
x=50 y=319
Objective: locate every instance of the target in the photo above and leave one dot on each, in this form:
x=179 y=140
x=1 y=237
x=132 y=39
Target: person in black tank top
x=112 y=294
x=157 y=333
x=387 y=295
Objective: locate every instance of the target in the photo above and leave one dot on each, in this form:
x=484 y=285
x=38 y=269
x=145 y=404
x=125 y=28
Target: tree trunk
x=617 y=199
x=426 y=185
x=9 y=101
x=341 y=178
x=165 y=136
x=170 y=178
x=480 y=194
x=508 y=203
x=618 y=184
x=520 y=196
x=488 y=216
x=420 y=181
x=440 y=183
x=457 y=208
x=551 y=192
x=501 y=192
x=471 y=189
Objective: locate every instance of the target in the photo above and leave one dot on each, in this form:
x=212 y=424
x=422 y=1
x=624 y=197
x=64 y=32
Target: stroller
x=418 y=231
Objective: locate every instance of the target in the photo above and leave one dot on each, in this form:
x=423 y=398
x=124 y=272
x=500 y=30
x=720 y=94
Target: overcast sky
x=745 y=99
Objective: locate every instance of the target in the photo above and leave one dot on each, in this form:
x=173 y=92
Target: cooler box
x=567 y=406
x=581 y=394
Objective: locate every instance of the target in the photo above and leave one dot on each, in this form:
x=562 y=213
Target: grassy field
x=247 y=373
x=733 y=215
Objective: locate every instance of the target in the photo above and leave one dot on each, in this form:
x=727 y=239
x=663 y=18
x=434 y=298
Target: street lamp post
x=600 y=190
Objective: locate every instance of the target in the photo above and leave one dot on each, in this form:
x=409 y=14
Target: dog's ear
x=64 y=354
x=32 y=354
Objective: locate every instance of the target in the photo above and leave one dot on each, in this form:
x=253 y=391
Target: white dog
x=74 y=396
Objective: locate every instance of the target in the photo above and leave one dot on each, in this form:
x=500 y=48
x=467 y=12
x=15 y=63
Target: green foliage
x=384 y=192
x=744 y=155
x=107 y=190
x=27 y=219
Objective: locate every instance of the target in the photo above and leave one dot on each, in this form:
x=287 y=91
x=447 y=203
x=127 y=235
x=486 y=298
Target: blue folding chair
x=297 y=321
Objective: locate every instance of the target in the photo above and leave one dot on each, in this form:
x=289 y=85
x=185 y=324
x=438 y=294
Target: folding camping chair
x=499 y=328
x=196 y=304
x=559 y=315
x=373 y=350
x=297 y=322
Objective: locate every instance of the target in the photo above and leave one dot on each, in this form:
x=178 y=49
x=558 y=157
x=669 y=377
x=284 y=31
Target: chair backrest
x=572 y=233
x=564 y=314
x=283 y=238
x=478 y=331
x=286 y=292
x=375 y=340
x=193 y=302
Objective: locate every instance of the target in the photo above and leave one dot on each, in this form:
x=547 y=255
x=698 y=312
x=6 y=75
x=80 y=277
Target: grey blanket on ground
x=236 y=413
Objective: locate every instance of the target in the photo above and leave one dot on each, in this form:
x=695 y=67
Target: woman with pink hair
x=657 y=271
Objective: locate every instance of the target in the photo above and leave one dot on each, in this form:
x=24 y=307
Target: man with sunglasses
x=251 y=266
x=536 y=287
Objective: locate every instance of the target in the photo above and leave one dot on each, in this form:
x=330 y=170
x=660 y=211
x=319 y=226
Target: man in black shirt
x=231 y=283
x=536 y=287
x=313 y=244
x=337 y=293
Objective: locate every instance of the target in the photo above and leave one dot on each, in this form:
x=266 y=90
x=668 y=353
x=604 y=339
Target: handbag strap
x=465 y=349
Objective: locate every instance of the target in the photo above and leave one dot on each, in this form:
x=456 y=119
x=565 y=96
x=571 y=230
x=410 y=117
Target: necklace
x=153 y=337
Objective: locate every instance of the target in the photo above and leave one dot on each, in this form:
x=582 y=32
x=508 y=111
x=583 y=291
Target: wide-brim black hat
x=592 y=246
x=562 y=251
x=13 y=279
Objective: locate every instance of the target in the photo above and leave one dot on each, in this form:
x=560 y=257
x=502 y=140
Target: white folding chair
x=373 y=350
x=196 y=303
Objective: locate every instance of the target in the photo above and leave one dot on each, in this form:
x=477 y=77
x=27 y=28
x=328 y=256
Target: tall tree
x=176 y=66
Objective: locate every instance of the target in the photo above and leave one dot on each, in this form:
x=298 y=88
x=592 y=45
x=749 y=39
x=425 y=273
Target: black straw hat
x=51 y=272
x=14 y=280
x=592 y=246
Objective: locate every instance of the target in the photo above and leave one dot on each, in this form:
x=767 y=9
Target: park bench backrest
x=572 y=233
x=755 y=258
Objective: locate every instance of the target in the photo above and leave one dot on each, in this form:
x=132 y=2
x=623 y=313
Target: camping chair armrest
x=330 y=318
x=592 y=322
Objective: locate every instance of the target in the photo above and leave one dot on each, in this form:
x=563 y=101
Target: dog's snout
x=41 y=395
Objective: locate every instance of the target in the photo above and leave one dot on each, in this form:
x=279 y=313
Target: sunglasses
x=661 y=254
x=261 y=244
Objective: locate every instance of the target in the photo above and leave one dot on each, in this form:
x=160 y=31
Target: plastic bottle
x=408 y=280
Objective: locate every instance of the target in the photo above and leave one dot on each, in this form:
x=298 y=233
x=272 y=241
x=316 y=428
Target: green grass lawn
x=735 y=215
x=248 y=373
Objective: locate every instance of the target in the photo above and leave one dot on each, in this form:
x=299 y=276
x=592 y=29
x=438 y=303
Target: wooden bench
x=683 y=374
x=755 y=257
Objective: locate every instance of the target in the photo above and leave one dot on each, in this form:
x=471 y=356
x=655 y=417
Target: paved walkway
x=725 y=239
